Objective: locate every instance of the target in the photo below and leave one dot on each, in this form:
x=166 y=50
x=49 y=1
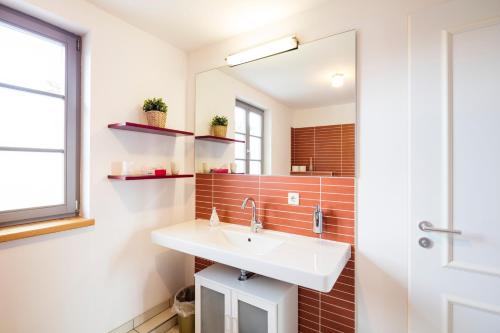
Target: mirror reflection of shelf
x=135 y=127
x=219 y=173
x=217 y=139
x=313 y=173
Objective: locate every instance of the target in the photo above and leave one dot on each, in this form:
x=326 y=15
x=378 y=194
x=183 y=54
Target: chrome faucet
x=255 y=224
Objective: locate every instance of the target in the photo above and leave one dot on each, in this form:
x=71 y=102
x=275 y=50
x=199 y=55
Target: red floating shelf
x=117 y=177
x=217 y=139
x=135 y=127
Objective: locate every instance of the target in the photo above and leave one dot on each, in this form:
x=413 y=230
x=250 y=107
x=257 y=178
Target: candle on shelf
x=174 y=168
x=205 y=168
x=233 y=167
x=123 y=168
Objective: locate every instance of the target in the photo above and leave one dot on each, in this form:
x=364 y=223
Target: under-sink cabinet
x=258 y=305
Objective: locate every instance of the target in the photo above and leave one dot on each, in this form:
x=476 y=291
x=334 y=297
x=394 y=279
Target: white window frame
x=71 y=97
x=251 y=109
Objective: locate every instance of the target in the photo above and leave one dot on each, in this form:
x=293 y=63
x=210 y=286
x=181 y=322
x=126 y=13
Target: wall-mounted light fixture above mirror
x=292 y=113
x=263 y=51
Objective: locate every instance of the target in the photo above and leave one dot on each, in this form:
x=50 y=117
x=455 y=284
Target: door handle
x=428 y=227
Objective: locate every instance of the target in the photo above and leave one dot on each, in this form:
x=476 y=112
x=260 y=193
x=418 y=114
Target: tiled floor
x=164 y=322
x=174 y=329
x=160 y=323
x=159 y=319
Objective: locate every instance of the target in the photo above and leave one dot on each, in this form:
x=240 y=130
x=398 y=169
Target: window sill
x=14 y=232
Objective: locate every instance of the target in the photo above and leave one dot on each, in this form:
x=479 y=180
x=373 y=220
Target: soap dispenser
x=318 y=220
x=214 y=218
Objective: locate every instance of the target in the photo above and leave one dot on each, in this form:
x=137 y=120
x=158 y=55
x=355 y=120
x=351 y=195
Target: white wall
x=216 y=93
x=92 y=280
x=325 y=115
x=382 y=150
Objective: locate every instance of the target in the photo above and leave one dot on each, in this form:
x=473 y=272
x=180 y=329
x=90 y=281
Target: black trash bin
x=184 y=307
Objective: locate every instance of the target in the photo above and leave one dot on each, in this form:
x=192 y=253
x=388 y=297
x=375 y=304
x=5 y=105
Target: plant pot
x=156 y=118
x=219 y=131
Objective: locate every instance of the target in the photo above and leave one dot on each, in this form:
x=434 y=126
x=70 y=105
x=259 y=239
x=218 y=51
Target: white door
x=253 y=315
x=455 y=168
x=212 y=307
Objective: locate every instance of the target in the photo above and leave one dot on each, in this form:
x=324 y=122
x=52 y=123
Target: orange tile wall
x=318 y=312
x=332 y=148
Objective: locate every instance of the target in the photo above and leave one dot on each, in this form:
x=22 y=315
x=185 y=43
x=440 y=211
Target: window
x=39 y=119
x=249 y=127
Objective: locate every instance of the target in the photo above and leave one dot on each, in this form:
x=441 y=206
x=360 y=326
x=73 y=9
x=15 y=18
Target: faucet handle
x=256 y=226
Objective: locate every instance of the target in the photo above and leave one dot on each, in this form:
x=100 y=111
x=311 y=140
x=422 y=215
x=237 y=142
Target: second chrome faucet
x=255 y=224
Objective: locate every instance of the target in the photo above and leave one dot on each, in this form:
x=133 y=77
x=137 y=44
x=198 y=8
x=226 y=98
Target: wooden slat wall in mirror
x=330 y=149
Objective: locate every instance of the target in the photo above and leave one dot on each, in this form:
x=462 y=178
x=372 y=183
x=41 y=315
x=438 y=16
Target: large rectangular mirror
x=292 y=113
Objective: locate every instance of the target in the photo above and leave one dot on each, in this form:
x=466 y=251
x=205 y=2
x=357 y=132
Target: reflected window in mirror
x=249 y=127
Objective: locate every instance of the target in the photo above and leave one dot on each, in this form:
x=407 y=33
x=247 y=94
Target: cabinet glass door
x=253 y=315
x=213 y=308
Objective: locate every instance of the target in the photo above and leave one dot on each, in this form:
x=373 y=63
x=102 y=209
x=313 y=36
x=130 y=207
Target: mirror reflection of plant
x=219 y=121
x=154 y=104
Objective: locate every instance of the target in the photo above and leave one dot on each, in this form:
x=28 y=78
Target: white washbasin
x=309 y=262
x=244 y=240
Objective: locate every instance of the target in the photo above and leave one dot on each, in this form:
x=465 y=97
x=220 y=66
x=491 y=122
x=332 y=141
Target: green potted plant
x=219 y=126
x=156 y=111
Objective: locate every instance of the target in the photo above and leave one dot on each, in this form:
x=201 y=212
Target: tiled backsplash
x=332 y=148
x=318 y=312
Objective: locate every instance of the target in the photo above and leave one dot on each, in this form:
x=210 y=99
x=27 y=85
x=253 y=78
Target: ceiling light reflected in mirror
x=337 y=80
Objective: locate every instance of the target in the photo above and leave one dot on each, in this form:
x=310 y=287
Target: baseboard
x=158 y=319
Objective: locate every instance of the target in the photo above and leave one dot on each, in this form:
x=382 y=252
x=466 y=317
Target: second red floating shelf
x=135 y=127
x=217 y=139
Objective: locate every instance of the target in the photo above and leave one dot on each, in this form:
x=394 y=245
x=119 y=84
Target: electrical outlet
x=293 y=198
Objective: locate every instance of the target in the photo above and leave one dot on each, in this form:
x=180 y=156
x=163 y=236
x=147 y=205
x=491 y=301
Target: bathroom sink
x=259 y=244
x=309 y=262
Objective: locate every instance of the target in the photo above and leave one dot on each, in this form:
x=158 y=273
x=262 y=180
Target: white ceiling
x=191 y=24
x=301 y=79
